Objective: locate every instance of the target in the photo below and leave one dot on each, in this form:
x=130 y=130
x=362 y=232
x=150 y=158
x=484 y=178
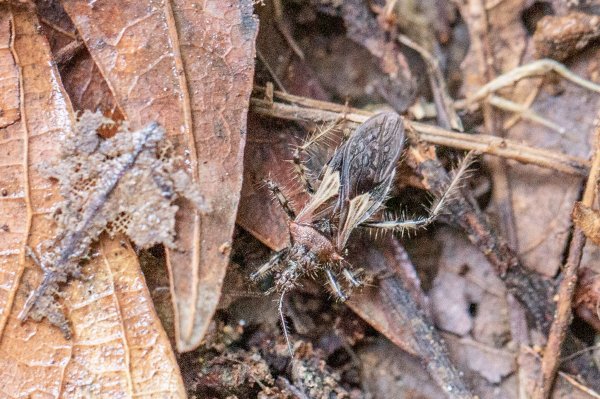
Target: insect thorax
x=315 y=241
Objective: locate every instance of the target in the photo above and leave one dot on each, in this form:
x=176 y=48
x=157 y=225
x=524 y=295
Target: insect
x=354 y=185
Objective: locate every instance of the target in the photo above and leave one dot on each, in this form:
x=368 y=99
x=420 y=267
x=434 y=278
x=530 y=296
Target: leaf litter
x=481 y=317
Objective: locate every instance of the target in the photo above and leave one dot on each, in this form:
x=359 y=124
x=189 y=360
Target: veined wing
x=367 y=164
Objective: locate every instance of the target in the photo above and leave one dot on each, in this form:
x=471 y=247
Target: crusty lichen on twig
x=125 y=184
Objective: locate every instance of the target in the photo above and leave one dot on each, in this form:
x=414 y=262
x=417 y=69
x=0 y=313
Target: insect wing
x=367 y=167
x=329 y=187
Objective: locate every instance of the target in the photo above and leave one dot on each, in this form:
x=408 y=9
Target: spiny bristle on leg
x=451 y=190
x=280 y=197
x=335 y=285
x=267 y=267
x=320 y=134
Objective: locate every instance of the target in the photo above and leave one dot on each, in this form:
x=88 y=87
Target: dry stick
x=513 y=120
x=566 y=289
x=524 y=112
x=309 y=110
x=535 y=68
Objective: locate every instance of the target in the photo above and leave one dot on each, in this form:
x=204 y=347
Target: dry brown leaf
x=119 y=348
x=383 y=256
x=189 y=66
x=80 y=75
x=268 y=222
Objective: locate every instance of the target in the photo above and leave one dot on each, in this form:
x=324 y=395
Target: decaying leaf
x=189 y=66
x=118 y=347
x=587 y=220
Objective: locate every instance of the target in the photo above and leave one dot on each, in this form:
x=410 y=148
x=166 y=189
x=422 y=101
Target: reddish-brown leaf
x=265 y=153
x=189 y=66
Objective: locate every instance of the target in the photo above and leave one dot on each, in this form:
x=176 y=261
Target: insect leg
x=324 y=135
x=448 y=192
x=335 y=286
x=283 y=201
x=351 y=278
x=302 y=171
x=266 y=268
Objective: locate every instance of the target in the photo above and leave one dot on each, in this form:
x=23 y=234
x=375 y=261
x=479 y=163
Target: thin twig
x=578 y=385
x=68 y=52
x=309 y=110
x=284 y=28
x=566 y=289
x=535 y=68
x=444 y=104
x=524 y=112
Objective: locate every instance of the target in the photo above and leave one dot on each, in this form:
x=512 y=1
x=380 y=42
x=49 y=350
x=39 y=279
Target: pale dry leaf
x=491 y=363
x=118 y=347
x=389 y=372
x=189 y=66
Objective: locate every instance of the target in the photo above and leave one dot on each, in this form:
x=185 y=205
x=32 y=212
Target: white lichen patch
x=124 y=184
